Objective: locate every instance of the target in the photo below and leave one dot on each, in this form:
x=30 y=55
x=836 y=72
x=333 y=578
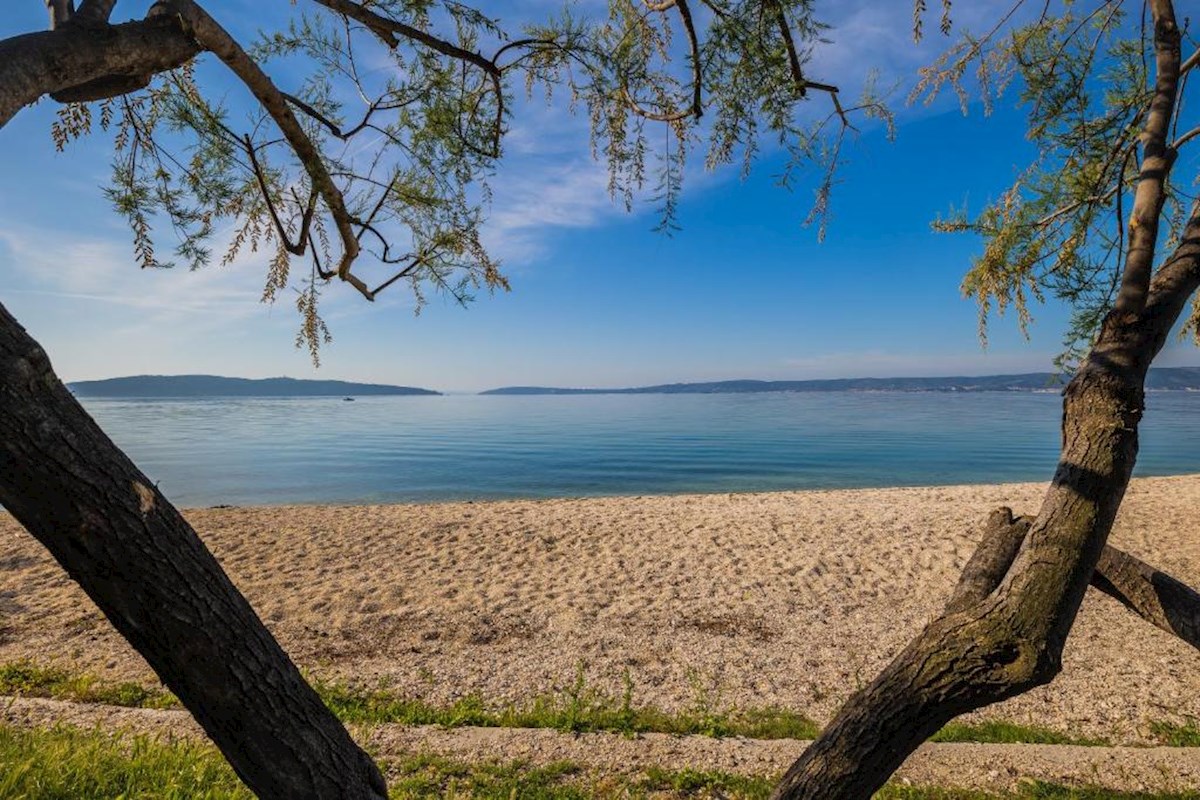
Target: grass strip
x=1000 y=732
x=25 y=679
x=1175 y=735
x=579 y=708
x=65 y=762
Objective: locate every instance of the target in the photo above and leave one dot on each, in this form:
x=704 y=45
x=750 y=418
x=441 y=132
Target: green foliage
x=24 y=678
x=1083 y=73
x=999 y=732
x=410 y=147
x=1175 y=735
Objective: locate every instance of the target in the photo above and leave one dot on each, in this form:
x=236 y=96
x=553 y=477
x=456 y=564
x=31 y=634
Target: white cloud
x=105 y=271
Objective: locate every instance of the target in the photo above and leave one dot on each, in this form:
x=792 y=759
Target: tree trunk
x=990 y=645
x=1004 y=630
x=148 y=571
x=78 y=62
x=1005 y=627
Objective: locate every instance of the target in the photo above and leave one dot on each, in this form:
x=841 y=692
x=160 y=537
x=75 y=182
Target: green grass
x=1175 y=735
x=1034 y=790
x=69 y=763
x=64 y=762
x=998 y=732
x=26 y=679
x=578 y=708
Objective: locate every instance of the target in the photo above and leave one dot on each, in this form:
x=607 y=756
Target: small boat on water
x=347 y=399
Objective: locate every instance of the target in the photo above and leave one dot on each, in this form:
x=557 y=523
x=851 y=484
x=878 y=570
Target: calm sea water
x=324 y=450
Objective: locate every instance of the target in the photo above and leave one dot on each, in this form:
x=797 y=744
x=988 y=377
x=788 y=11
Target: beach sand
x=791 y=599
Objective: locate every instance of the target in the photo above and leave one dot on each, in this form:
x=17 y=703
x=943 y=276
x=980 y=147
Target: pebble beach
x=744 y=601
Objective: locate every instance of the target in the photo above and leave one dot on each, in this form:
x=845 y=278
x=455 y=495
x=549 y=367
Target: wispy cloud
x=103 y=270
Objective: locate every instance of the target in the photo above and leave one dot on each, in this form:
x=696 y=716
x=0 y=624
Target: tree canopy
x=1086 y=75
x=360 y=151
x=366 y=151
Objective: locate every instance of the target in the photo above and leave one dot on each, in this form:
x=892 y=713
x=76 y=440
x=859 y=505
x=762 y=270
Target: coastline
x=787 y=599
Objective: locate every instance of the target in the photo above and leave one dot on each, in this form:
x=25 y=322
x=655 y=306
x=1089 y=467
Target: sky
x=743 y=290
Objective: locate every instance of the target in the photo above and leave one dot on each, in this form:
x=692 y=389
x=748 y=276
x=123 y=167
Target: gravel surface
x=973 y=766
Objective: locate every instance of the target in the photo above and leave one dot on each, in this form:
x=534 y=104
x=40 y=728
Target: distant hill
x=1179 y=378
x=216 y=386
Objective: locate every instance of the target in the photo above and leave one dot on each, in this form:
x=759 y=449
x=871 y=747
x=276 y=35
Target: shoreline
x=742 y=600
x=608 y=495
x=733 y=493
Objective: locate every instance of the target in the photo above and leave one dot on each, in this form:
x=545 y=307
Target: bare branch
x=52 y=62
x=296 y=248
x=1150 y=593
x=389 y=29
x=1185 y=138
x=61 y=12
x=685 y=14
x=329 y=124
x=785 y=32
x=404 y=273
x=96 y=11
x=1002 y=539
x=1191 y=62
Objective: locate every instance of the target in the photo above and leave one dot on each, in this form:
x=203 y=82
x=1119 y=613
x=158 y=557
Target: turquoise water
x=390 y=449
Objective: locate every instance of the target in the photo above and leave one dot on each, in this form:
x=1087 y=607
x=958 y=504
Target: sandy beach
x=738 y=601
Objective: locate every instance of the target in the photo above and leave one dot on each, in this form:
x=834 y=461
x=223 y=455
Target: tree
x=287 y=178
x=1104 y=101
x=412 y=205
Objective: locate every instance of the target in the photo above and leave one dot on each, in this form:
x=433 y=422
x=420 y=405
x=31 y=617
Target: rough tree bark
x=77 y=61
x=1004 y=630
x=1152 y=594
x=998 y=639
x=148 y=571
x=104 y=521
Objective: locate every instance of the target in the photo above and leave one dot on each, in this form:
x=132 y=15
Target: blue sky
x=598 y=299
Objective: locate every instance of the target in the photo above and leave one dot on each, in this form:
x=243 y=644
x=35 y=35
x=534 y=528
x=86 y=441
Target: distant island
x=1177 y=378
x=216 y=386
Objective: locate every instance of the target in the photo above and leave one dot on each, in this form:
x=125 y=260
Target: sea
x=269 y=451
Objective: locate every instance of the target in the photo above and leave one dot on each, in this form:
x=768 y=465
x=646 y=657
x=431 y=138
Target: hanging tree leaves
x=380 y=176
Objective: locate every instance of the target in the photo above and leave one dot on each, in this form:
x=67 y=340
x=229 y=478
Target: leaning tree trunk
x=104 y=521
x=1004 y=629
x=147 y=570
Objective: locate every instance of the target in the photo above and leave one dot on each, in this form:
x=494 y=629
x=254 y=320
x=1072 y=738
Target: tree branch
x=95 y=11
x=989 y=563
x=61 y=12
x=389 y=29
x=1185 y=138
x=51 y=62
x=696 y=106
x=1152 y=594
x=1157 y=159
x=685 y=14
x=216 y=39
x=389 y=32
